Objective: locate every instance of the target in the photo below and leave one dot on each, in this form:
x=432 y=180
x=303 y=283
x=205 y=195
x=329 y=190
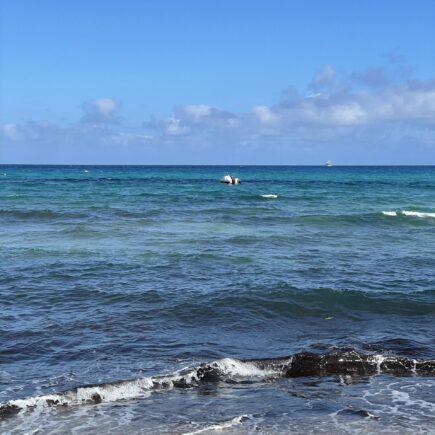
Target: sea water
x=118 y=285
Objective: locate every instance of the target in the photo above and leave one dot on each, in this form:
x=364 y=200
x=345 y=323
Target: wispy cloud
x=101 y=111
x=323 y=78
x=194 y=117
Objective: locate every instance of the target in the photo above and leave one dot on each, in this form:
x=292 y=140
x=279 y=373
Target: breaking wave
x=342 y=362
x=222 y=425
x=419 y=214
x=269 y=196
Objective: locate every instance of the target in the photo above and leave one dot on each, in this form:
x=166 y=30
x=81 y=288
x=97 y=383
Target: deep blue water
x=114 y=273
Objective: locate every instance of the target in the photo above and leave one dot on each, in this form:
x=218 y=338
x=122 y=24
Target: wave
x=281 y=302
x=241 y=210
x=28 y=214
x=41 y=214
x=338 y=218
x=226 y=369
x=340 y=362
x=411 y=213
x=222 y=425
x=287 y=301
x=269 y=196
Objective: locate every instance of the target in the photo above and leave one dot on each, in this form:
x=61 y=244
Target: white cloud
x=100 y=111
x=126 y=139
x=192 y=118
x=410 y=103
x=326 y=76
x=388 y=110
x=196 y=112
x=11 y=131
x=375 y=106
x=99 y=125
x=348 y=114
x=174 y=126
x=265 y=115
x=31 y=130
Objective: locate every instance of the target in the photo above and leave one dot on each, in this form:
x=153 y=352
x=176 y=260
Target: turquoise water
x=113 y=273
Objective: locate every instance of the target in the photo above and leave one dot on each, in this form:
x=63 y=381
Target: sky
x=217 y=82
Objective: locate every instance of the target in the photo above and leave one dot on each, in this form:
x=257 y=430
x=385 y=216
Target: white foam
x=269 y=196
x=235 y=367
x=106 y=393
x=220 y=426
x=379 y=359
x=418 y=214
x=111 y=393
x=410 y=213
x=139 y=387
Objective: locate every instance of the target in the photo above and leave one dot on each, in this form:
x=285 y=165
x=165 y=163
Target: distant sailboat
x=328 y=163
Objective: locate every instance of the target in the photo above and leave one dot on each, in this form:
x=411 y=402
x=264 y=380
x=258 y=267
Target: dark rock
x=7 y=411
x=52 y=402
x=209 y=374
x=96 y=398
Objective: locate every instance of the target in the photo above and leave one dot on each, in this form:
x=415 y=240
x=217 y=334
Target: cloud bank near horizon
x=365 y=116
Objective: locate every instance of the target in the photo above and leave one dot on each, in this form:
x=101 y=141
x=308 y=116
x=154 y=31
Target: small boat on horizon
x=328 y=163
x=229 y=179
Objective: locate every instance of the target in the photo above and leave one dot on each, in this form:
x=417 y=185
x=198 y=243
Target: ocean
x=154 y=299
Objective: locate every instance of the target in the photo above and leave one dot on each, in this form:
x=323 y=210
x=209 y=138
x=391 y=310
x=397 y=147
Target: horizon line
x=215 y=165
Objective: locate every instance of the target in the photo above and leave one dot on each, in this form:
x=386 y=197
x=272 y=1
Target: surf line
x=337 y=363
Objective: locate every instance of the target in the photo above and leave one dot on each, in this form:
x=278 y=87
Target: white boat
x=229 y=179
x=328 y=163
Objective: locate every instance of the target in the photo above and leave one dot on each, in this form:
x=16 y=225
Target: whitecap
x=221 y=370
x=141 y=387
x=409 y=213
x=269 y=196
x=220 y=426
x=234 y=367
x=418 y=214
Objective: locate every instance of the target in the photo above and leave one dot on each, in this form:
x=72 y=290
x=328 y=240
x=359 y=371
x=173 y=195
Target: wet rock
x=96 y=398
x=7 y=411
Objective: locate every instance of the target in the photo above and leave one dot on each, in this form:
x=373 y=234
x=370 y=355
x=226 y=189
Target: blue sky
x=276 y=82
